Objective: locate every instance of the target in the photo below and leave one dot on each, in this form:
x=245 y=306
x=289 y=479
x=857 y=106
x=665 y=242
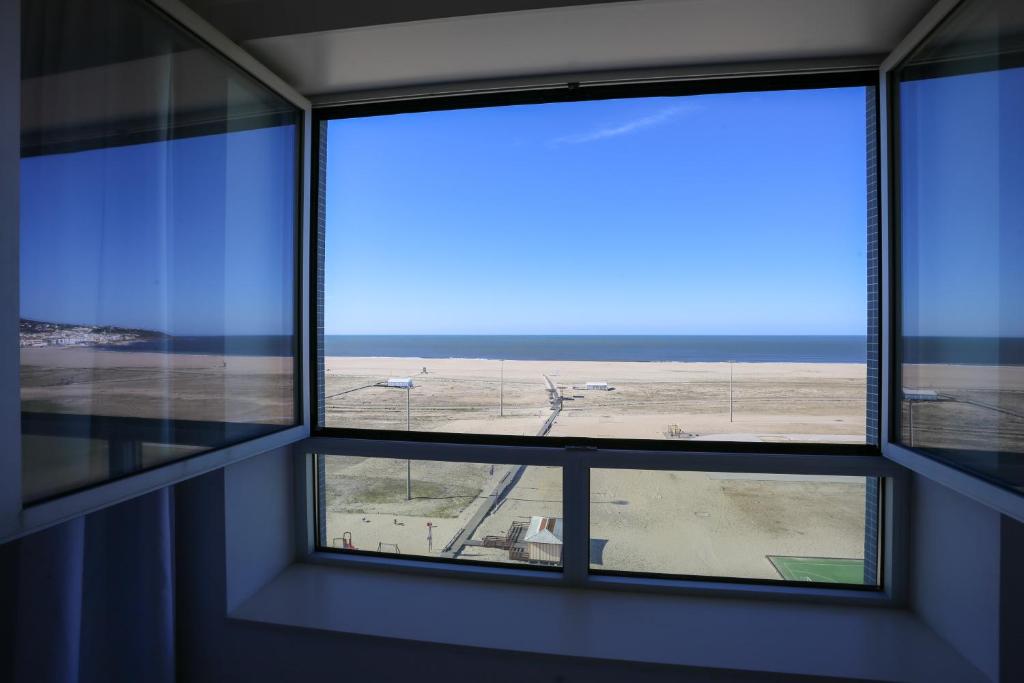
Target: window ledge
x=753 y=635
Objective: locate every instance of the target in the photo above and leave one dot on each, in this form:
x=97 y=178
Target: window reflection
x=158 y=218
x=961 y=101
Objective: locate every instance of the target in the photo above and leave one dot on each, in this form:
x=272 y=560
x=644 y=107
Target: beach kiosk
x=400 y=382
x=543 y=539
x=597 y=386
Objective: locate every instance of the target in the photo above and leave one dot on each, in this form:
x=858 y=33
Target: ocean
x=744 y=349
x=650 y=348
x=679 y=348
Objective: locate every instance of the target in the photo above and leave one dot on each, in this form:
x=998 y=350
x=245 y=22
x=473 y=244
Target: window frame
x=18 y=518
x=563 y=92
x=577 y=455
x=989 y=492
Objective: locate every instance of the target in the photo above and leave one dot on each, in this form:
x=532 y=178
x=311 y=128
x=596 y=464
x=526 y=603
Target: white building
x=543 y=539
x=920 y=395
x=401 y=382
x=597 y=386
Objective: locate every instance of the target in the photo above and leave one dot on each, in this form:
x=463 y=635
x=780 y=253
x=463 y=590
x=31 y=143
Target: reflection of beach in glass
x=961 y=232
x=157 y=251
x=968 y=407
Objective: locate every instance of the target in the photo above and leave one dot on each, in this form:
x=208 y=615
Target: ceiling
x=324 y=48
x=243 y=20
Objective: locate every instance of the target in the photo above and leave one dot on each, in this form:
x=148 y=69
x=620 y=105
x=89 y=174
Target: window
x=584 y=307
x=961 y=228
x=466 y=511
x=753 y=526
x=158 y=229
x=682 y=269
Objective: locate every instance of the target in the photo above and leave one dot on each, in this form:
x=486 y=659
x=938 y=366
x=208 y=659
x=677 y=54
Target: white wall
x=955 y=571
x=258 y=521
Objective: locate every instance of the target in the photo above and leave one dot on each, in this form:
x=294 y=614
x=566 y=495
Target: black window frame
x=577 y=455
x=579 y=92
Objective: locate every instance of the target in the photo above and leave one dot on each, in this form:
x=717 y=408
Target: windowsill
x=753 y=635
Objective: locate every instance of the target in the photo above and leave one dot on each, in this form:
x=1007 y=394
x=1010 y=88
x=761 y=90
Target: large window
x=158 y=232
x=961 y=233
x=682 y=269
x=570 y=288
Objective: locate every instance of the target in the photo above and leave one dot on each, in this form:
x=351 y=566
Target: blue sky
x=716 y=214
x=189 y=237
x=963 y=205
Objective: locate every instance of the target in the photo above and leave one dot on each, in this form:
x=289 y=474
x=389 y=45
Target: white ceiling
x=583 y=38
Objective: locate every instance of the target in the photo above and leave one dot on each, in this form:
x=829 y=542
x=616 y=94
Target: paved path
x=504 y=486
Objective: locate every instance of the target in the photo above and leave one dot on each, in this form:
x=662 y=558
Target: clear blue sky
x=717 y=214
x=189 y=237
x=963 y=208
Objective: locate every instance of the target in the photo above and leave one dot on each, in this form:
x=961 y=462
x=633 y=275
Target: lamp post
x=501 y=391
x=408 y=428
x=730 y=391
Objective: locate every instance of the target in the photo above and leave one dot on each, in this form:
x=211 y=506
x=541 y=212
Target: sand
x=244 y=390
x=691 y=523
x=703 y=524
x=980 y=408
x=771 y=401
x=678 y=522
x=88 y=381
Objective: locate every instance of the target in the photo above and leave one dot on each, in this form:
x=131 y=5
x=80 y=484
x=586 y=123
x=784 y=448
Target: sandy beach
x=975 y=407
x=669 y=522
x=770 y=401
x=663 y=522
x=90 y=381
x=242 y=390
x=683 y=523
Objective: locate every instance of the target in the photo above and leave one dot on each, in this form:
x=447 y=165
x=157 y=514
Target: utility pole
x=408 y=427
x=910 y=422
x=501 y=392
x=730 y=391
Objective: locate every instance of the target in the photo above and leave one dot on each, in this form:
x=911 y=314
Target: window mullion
x=576 y=511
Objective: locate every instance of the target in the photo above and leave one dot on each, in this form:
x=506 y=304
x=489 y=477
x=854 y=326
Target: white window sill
x=753 y=635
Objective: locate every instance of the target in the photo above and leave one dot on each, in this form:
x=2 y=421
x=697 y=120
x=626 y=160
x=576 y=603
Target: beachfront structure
x=400 y=382
x=597 y=386
x=920 y=395
x=543 y=539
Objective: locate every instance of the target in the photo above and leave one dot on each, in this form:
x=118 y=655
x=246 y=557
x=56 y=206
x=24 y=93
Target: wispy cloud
x=633 y=126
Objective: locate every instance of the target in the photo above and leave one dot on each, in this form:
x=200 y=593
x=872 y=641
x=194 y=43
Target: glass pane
x=735 y=525
x=687 y=268
x=449 y=510
x=961 y=103
x=158 y=224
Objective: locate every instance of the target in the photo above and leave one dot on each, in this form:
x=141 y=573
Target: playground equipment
x=388 y=548
x=346 y=541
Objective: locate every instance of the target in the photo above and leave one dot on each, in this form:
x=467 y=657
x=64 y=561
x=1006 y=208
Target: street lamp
x=730 y=391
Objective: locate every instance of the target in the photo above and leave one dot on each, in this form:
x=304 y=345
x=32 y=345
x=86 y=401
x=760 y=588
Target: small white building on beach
x=920 y=395
x=543 y=539
x=400 y=382
x=597 y=386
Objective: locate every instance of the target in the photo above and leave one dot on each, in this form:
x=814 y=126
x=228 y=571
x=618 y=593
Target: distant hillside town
x=35 y=333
